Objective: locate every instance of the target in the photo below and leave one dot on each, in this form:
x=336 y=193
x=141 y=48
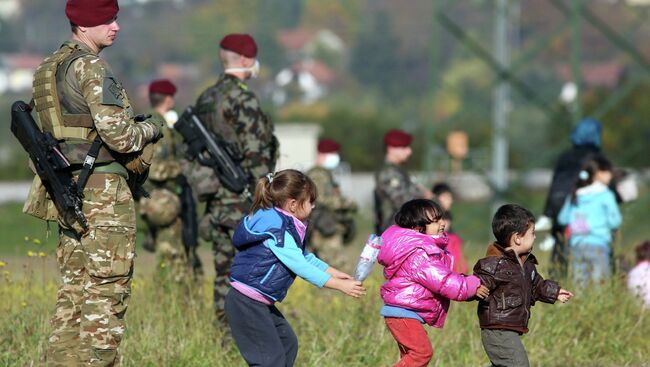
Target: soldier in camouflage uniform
x=393 y=185
x=77 y=98
x=331 y=223
x=161 y=211
x=232 y=110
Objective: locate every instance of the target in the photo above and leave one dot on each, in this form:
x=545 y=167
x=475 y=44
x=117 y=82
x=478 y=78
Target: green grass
x=601 y=326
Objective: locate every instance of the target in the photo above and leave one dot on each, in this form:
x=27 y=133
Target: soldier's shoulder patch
x=112 y=92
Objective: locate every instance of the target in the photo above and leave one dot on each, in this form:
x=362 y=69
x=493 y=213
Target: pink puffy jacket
x=419 y=276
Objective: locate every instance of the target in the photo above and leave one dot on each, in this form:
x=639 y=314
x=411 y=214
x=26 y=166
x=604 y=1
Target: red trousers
x=414 y=346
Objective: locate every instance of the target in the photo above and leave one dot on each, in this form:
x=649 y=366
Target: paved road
x=14 y=191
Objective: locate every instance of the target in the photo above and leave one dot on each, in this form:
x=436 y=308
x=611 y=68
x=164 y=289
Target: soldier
x=393 y=185
x=161 y=211
x=77 y=99
x=331 y=223
x=232 y=110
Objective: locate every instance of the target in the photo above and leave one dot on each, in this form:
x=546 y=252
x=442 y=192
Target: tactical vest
x=209 y=108
x=58 y=108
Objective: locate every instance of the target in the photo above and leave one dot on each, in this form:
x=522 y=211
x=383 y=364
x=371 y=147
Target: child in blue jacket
x=271 y=253
x=591 y=214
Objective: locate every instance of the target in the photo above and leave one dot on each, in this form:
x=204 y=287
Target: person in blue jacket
x=591 y=214
x=271 y=252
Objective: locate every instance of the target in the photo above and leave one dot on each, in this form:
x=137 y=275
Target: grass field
x=601 y=326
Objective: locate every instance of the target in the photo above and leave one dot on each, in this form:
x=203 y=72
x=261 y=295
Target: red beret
x=91 y=13
x=242 y=44
x=397 y=138
x=162 y=86
x=328 y=146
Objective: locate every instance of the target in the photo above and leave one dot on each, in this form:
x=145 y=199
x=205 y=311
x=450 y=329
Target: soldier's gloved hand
x=141 y=117
x=158 y=122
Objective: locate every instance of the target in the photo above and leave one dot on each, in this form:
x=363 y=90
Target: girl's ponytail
x=593 y=164
x=263 y=199
x=275 y=189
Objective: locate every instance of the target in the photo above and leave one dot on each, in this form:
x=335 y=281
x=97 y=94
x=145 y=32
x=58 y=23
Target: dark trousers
x=263 y=335
x=504 y=348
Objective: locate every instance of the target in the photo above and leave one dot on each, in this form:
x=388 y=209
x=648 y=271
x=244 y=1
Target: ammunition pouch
x=38 y=203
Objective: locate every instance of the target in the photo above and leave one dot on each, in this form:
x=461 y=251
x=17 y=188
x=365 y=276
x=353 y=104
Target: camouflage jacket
x=165 y=163
x=231 y=110
x=393 y=187
x=89 y=87
x=90 y=82
x=329 y=195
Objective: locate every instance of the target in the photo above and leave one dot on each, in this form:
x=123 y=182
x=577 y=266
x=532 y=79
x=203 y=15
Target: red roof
x=21 y=60
x=321 y=72
x=295 y=39
x=606 y=74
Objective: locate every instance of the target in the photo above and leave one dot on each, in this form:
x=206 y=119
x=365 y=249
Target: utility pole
x=501 y=98
x=576 y=48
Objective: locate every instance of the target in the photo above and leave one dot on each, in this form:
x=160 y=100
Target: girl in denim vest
x=271 y=252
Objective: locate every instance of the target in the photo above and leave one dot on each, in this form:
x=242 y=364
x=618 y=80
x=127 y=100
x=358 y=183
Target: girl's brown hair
x=275 y=189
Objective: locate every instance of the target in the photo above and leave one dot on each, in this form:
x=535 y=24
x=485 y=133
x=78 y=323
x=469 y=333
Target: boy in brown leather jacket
x=510 y=274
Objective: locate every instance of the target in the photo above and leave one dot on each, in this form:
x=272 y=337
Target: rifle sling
x=89 y=162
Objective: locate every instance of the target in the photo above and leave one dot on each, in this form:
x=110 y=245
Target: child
x=510 y=275
x=271 y=254
x=591 y=214
x=419 y=280
x=443 y=195
x=455 y=246
x=638 y=279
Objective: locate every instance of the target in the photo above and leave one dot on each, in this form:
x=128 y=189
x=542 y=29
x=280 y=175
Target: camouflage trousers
x=171 y=254
x=96 y=270
x=217 y=226
x=329 y=249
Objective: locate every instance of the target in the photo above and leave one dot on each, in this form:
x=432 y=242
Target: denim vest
x=255 y=264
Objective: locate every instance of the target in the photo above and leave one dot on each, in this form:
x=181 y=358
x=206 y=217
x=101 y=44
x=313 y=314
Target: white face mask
x=171 y=117
x=254 y=70
x=331 y=160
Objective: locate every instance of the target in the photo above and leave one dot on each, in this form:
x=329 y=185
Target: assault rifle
x=51 y=165
x=190 y=223
x=212 y=150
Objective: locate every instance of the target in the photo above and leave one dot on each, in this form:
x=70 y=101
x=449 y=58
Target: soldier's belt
x=113 y=167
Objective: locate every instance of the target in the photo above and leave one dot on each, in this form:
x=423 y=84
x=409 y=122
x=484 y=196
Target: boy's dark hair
x=417 y=213
x=643 y=251
x=441 y=188
x=511 y=219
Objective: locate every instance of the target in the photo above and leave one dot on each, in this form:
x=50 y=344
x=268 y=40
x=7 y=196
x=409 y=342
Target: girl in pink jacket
x=419 y=279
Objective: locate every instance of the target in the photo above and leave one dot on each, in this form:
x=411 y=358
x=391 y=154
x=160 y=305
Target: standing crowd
x=261 y=238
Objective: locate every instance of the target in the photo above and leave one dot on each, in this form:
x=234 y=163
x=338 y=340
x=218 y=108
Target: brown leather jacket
x=513 y=289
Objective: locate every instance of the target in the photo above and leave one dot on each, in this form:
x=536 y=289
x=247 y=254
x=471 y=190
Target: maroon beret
x=242 y=44
x=397 y=138
x=162 y=86
x=91 y=13
x=328 y=146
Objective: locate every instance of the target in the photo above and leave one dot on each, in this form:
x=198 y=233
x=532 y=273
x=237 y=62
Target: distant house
x=604 y=74
x=300 y=42
x=308 y=76
x=9 y=8
x=307 y=80
x=17 y=70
